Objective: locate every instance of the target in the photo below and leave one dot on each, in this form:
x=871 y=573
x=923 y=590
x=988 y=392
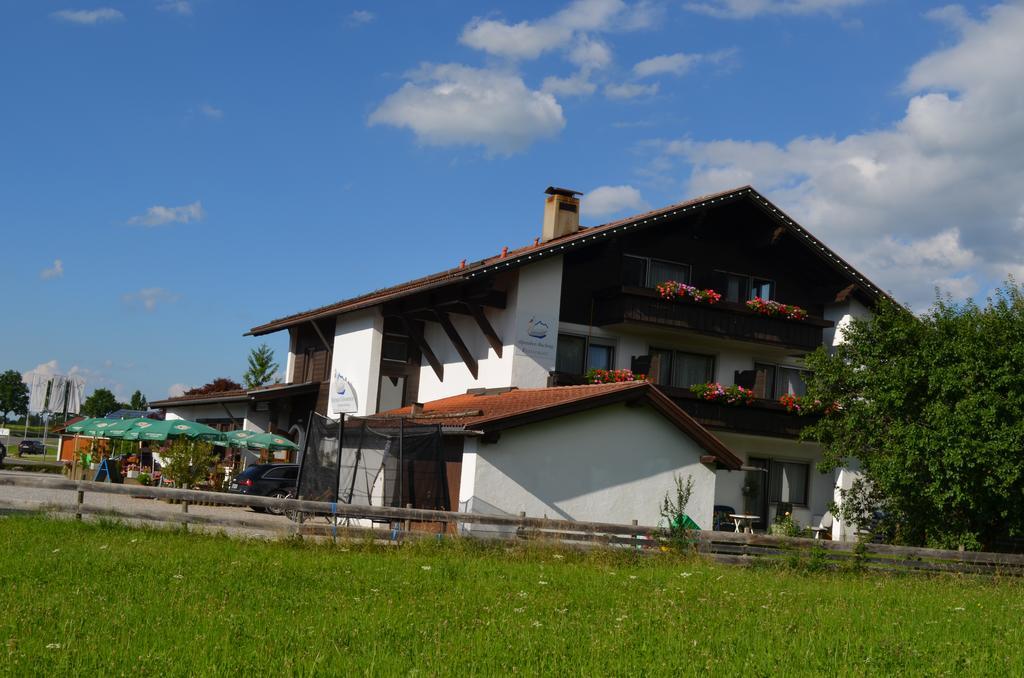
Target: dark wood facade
x=724 y=319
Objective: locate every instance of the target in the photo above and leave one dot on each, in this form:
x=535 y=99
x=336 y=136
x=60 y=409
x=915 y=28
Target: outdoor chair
x=721 y=522
x=824 y=527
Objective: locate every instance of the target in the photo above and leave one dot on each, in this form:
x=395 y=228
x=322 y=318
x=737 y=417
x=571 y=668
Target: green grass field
x=88 y=599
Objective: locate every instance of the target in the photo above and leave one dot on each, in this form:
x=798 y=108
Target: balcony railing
x=761 y=417
x=724 y=319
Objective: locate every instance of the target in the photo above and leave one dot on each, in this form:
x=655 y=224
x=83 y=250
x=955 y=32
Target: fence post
x=635 y=537
x=78 y=510
x=184 y=511
x=408 y=522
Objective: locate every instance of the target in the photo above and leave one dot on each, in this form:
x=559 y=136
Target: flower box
x=671 y=289
x=730 y=395
x=774 y=308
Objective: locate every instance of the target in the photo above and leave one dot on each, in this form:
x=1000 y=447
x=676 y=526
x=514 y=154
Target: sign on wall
x=538 y=339
x=343 y=396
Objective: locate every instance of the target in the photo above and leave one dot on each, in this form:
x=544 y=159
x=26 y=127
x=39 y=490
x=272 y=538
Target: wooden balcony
x=724 y=319
x=761 y=417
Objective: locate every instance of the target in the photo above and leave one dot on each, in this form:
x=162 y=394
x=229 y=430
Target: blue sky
x=175 y=172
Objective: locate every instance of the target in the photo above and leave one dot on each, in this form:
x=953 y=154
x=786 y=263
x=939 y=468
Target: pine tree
x=262 y=367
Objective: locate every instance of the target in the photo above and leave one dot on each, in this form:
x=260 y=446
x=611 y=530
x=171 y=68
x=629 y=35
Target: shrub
x=673 y=511
x=187 y=462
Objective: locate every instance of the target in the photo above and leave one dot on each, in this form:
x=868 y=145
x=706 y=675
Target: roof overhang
x=583 y=238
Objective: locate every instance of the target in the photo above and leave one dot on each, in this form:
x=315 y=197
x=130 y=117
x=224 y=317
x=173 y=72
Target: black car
x=266 y=480
x=30 y=447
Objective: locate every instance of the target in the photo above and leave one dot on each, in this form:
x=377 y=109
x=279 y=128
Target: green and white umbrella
x=95 y=427
x=259 y=441
x=149 y=429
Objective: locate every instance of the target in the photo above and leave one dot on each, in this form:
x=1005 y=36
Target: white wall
x=289 y=370
x=533 y=293
x=841 y=314
x=610 y=464
x=820 y=486
x=356 y=356
x=538 y=299
x=215 y=411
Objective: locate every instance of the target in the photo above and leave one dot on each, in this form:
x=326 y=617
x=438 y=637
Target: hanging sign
x=343 y=396
x=537 y=339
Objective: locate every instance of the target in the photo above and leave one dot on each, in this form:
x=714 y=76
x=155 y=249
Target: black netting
x=378 y=461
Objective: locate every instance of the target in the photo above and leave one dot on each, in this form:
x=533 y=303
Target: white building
x=579 y=298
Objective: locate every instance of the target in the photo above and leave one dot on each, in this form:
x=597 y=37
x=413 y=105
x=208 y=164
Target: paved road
x=276 y=525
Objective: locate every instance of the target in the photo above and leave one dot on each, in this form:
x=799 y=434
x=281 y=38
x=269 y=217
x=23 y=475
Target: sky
x=174 y=172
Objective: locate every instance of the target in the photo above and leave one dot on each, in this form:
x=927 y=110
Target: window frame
x=749 y=278
x=610 y=344
x=776 y=368
x=672 y=367
x=648 y=285
x=772 y=462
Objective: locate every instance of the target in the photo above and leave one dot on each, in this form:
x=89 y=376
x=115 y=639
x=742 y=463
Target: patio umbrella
x=259 y=441
x=150 y=429
x=95 y=427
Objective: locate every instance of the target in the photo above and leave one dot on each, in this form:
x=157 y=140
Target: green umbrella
x=259 y=441
x=122 y=426
x=95 y=427
x=150 y=429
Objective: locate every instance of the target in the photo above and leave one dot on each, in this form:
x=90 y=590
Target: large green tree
x=100 y=403
x=262 y=367
x=932 y=407
x=13 y=395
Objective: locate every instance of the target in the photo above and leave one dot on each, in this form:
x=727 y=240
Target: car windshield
x=251 y=472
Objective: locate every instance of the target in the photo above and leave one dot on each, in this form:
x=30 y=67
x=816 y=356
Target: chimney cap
x=567 y=192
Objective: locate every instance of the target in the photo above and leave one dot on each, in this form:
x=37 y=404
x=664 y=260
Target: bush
x=187 y=462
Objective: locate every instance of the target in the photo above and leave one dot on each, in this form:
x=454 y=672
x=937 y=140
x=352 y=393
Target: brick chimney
x=561 y=213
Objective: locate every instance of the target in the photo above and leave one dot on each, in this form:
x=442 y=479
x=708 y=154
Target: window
x=787 y=482
x=576 y=355
x=395 y=348
x=682 y=369
x=648 y=273
x=774 y=381
x=740 y=288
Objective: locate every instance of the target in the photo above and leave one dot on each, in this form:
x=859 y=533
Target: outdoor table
x=744 y=522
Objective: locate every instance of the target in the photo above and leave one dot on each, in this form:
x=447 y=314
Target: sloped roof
x=501 y=409
x=581 y=238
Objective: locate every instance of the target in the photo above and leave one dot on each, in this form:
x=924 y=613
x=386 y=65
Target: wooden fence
x=397 y=524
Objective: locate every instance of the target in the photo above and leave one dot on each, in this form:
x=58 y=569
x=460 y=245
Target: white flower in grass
x=561 y=610
x=179 y=576
x=519 y=609
x=133 y=541
x=103 y=547
x=558 y=556
x=53 y=646
x=56 y=550
x=536 y=623
x=686 y=574
x=542 y=582
x=522 y=594
x=424 y=567
x=632 y=576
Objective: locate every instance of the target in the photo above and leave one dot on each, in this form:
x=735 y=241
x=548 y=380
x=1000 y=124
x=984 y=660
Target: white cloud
x=590 y=54
x=158 y=215
x=175 y=390
x=746 y=9
x=182 y=7
x=361 y=17
x=55 y=271
x=149 y=298
x=47 y=369
x=933 y=198
x=575 y=85
x=605 y=200
x=451 y=104
x=679 y=63
x=88 y=17
x=629 y=90
x=528 y=40
x=211 y=111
